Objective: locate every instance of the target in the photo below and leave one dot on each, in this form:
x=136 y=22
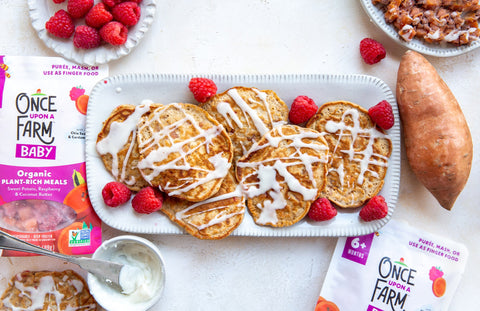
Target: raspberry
x=147 y=200
x=79 y=8
x=76 y=92
x=321 y=210
x=372 y=51
x=86 y=37
x=202 y=89
x=114 y=33
x=112 y=3
x=98 y=16
x=127 y=13
x=115 y=193
x=435 y=273
x=60 y=24
x=303 y=108
x=376 y=208
x=382 y=114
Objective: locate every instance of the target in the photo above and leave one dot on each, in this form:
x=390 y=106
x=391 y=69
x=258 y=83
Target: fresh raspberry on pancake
x=303 y=108
x=147 y=200
x=202 y=89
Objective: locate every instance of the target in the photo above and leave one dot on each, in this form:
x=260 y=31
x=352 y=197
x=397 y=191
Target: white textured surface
x=272 y=36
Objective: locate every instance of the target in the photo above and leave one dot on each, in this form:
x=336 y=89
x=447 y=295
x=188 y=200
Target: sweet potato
x=437 y=138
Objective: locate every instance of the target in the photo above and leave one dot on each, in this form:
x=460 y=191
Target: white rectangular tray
x=363 y=90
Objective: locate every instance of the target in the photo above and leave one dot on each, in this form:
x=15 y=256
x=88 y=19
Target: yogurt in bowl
x=142 y=278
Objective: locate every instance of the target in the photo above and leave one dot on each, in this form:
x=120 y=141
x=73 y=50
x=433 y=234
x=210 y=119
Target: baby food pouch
x=397 y=268
x=43 y=192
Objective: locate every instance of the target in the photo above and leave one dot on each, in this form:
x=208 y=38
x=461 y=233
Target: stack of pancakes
x=183 y=151
x=237 y=150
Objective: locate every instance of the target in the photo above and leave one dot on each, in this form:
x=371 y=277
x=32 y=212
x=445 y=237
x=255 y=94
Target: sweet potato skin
x=437 y=138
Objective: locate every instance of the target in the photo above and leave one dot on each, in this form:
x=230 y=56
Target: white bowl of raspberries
x=91 y=32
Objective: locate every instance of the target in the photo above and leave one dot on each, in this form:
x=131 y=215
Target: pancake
x=283 y=174
x=117 y=144
x=47 y=290
x=359 y=153
x=212 y=219
x=184 y=151
x=247 y=114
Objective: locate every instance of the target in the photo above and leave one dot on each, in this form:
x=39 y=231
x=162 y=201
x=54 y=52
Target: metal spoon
x=107 y=271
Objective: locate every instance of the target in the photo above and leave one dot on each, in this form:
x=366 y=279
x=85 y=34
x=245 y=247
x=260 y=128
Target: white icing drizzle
x=263 y=98
x=247 y=111
x=270 y=207
x=267 y=170
x=221 y=217
x=117 y=138
x=368 y=157
x=227 y=112
x=455 y=34
x=157 y=156
x=340 y=170
x=78 y=285
x=36 y=294
x=261 y=127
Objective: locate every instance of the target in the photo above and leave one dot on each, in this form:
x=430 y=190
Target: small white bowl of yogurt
x=142 y=277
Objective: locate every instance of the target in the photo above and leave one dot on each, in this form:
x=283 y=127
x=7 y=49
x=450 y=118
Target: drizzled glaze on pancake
x=214 y=218
x=359 y=153
x=247 y=114
x=184 y=151
x=117 y=144
x=283 y=174
x=47 y=290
